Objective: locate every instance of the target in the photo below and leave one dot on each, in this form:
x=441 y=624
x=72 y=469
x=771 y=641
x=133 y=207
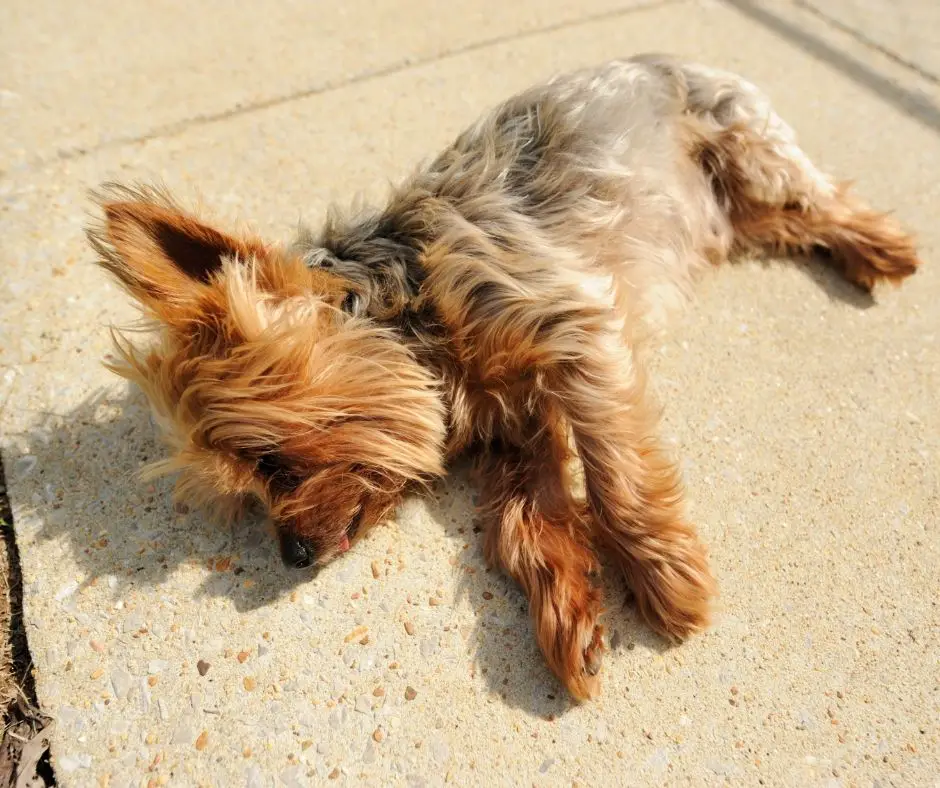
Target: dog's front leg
x=538 y=535
x=633 y=487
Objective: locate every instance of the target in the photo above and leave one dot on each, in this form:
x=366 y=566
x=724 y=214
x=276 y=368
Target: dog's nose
x=296 y=553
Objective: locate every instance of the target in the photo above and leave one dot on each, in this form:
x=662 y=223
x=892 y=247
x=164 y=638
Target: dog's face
x=266 y=382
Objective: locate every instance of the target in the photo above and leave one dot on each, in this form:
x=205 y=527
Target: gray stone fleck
x=804 y=720
x=278 y=717
x=339 y=686
x=144 y=696
x=338 y=716
x=659 y=760
x=263 y=650
x=25 y=465
x=546 y=765
x=156 y=666
x=428 y=647
x=253 y=777
x=70 y=717
x=368 y=754
x=439 y=749
x=121 y=682
x=56 y=517
x=120 y=726
x=66 y=590
x=719 y=767
x=364 y=704
x=73 y=762
x=615 y=640
x=184 y=734
x=133 y=622
x=416 y=781
x=293 y=777
x=164 y=710
x=322 y=748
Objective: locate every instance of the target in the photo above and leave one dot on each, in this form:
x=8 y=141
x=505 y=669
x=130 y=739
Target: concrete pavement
x=173 y=652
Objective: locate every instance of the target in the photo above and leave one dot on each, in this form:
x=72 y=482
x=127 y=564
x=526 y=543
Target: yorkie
x=497 y=306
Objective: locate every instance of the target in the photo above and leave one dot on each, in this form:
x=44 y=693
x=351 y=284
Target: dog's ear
x=162 y=255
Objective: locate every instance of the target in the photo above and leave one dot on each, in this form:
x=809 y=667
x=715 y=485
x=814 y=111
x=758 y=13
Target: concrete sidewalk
x=171 y=652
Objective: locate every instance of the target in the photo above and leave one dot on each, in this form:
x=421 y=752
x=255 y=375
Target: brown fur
x=498 y=305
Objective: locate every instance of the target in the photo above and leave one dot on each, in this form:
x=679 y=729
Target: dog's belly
x=594 y=170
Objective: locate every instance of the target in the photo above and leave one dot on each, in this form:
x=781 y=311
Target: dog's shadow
x=85 y=492
x=503 y=638
x=820 y=269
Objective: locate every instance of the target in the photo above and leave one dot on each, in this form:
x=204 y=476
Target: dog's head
x=265 y=380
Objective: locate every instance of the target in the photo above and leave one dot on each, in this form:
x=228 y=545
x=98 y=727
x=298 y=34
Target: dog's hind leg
x=777 y=200
x=537 y=534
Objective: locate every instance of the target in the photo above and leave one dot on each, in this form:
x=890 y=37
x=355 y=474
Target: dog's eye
x=351 y=303
x=354 y=524
x=270 y=465
x=275 y=471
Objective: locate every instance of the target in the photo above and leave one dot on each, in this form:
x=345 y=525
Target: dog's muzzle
x=297 y=553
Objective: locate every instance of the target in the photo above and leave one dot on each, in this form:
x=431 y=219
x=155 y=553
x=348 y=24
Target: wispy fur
x=499 y=304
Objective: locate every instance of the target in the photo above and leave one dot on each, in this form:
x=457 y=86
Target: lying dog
x=498 y=305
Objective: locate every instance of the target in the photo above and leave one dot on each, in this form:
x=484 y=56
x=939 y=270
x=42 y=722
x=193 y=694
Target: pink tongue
x=344 y=544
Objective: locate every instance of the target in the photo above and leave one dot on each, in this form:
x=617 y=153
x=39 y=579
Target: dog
x=498 y=307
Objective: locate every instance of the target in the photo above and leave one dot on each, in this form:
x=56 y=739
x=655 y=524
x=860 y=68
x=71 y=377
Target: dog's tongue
x=344 y=544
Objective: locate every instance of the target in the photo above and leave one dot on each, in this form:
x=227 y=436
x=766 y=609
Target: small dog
x=497 y=306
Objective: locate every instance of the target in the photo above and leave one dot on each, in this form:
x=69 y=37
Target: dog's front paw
x=673 y=588
x=594 y=653
x=574 y=645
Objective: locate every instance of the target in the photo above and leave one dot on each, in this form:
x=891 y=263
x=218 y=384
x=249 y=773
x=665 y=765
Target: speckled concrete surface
x=173 y=652
x=78 y=76
x=906 y=28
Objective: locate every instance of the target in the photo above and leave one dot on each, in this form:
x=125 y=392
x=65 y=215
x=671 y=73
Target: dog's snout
x=296 y=553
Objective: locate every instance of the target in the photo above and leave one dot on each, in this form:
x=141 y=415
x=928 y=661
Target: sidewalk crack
x=177 y=127
x=863 y=39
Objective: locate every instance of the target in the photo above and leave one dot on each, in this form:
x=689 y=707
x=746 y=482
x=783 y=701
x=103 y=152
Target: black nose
x=295 y=552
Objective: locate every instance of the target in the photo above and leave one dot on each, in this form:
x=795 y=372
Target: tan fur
x=498 y=305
